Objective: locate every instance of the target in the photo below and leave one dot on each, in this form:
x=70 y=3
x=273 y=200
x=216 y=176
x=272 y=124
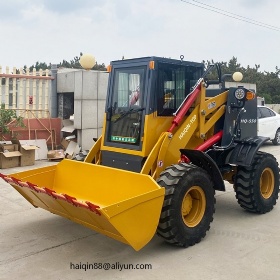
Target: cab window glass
x=128 y=85
x=125 y=113
x=174 y=83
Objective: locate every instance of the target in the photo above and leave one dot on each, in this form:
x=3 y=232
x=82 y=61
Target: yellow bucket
x=120 y=204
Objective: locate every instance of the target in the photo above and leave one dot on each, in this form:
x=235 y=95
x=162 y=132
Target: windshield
x=125 y=112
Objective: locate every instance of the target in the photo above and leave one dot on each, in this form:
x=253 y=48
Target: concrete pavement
x=34 y=244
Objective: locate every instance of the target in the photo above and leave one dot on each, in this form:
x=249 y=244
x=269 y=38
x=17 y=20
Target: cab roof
x=158 y=59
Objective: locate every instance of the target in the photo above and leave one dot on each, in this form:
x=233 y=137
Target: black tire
x=189 y=204
x=276 y=140
x=257 y=186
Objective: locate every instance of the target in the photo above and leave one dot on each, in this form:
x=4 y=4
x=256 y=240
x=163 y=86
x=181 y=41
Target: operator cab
x=141 y=87
x=143 y=94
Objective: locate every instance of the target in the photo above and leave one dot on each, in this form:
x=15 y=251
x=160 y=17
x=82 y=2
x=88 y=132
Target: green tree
x=73 y=63
x=267 y=98
x=233 y=65
x=39 y=65
x=8 y=119
x=267 y=83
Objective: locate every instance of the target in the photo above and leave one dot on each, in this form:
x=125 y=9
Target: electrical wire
x=252 y=20
x=231 y=15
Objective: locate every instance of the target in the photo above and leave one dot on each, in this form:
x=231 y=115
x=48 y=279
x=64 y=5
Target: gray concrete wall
x=90 y=90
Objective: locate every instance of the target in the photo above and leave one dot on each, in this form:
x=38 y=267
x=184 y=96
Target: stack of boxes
x=16 y=154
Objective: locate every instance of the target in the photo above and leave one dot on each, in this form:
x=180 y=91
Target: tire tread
x=166 y=229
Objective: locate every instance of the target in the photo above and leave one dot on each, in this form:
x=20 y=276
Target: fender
x=245 y=150
x=204 y=161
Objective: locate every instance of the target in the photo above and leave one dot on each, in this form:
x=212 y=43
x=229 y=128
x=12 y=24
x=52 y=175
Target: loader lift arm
x=186 y=132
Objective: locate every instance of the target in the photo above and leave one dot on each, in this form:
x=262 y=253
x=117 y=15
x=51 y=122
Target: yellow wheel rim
x=267 y=183
x=193 y=206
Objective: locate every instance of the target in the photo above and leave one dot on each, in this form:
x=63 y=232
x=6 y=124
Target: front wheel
x=189 y=204
x=257 y=186
x=276 y=140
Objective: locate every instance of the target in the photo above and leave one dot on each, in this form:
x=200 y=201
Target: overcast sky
x=52 y=30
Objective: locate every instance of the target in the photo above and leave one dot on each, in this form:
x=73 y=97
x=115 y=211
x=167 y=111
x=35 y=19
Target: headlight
x=239 y=93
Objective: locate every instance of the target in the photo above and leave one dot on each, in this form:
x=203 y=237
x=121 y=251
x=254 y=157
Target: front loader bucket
x=120 y=204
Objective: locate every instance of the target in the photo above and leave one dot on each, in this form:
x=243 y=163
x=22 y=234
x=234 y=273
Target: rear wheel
x=257 y=186
x=276 y=140
x=189 y=204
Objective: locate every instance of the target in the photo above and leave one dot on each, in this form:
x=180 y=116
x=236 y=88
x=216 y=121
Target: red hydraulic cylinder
x=185 y=107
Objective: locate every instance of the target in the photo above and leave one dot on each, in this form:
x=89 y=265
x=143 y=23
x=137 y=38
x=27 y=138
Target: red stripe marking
x=93 y=208
x=81 y=204
x=70 y=199
x=54 y=194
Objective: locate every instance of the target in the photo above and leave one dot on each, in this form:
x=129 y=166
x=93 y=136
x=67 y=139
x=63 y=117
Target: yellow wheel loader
x=170 y=139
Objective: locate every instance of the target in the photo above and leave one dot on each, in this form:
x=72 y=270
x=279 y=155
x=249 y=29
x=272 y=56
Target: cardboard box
x=27 y=153
x=55 y=154
x=9 y=159
x=71 y=150
x=8 y=147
